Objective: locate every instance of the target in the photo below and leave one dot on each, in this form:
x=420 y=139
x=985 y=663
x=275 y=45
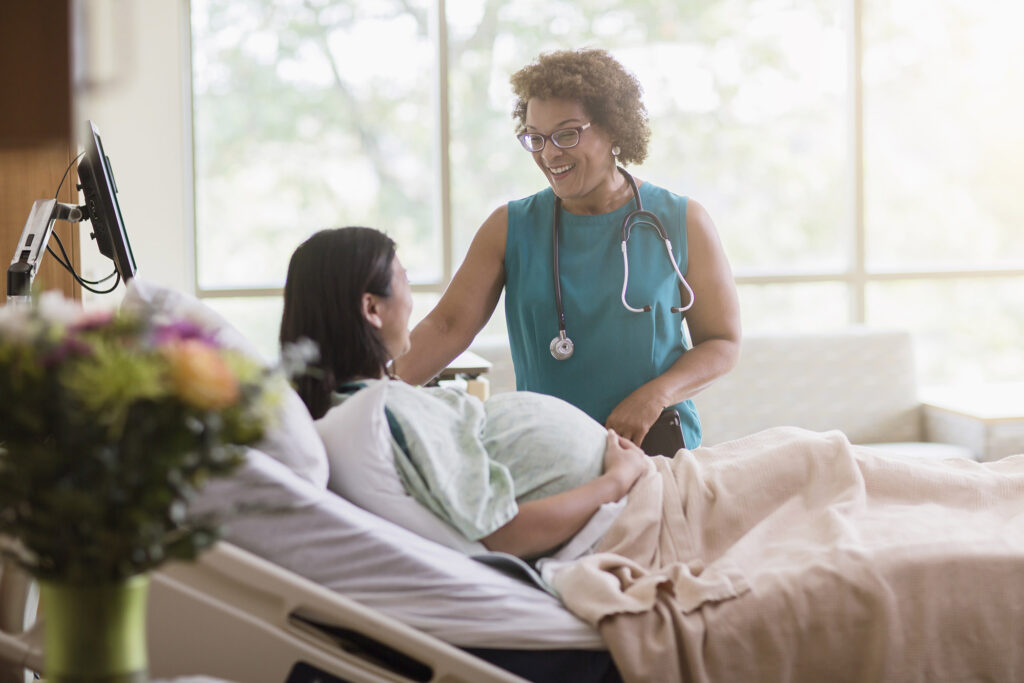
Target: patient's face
x=395 y=311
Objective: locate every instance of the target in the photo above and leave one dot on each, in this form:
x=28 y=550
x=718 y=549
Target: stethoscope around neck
x=561 y=346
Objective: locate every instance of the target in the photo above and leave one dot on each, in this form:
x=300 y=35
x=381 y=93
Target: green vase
x=95 y=633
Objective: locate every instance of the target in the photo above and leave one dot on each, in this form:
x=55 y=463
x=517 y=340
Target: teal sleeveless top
x=615 y=350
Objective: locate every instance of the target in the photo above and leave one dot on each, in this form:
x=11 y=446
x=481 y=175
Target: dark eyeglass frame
x=524 y=138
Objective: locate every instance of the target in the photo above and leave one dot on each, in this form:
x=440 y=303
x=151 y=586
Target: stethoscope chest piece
x=561 y=346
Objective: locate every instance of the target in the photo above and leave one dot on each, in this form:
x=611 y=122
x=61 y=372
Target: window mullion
x=444 y=204
x=858 y=294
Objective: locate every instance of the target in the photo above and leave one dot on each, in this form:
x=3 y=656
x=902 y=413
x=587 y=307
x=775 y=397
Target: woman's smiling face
x=583 y=175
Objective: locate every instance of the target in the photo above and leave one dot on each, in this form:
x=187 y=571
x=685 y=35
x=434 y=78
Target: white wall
x=138 y=96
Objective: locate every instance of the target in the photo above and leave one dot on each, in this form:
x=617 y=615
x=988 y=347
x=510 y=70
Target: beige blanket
x=793 y=556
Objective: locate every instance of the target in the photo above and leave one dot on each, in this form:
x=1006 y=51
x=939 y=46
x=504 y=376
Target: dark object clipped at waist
x=665 y=436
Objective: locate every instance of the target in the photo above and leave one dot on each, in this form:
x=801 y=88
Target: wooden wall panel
x=35 y=78
x=36 y=139
x=26 y=174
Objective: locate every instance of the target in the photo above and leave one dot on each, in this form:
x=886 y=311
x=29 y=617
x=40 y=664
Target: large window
x=859 y=157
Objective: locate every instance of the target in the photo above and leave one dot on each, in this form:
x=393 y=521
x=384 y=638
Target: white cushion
x=858 y=380
x=362 y=468
x=291 y=440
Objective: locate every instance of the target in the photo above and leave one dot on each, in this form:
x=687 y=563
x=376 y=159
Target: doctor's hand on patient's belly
x=635 y=415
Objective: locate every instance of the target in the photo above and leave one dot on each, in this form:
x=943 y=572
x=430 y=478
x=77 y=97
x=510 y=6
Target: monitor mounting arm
x=32 y=245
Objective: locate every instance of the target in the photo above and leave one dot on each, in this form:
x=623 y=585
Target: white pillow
x=292 y=440
x=362 y=468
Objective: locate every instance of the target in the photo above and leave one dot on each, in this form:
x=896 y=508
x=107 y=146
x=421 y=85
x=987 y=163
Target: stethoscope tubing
x=561 y=346
x=675 y=266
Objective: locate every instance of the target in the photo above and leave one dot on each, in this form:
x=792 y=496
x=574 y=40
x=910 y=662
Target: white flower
x=16 y=323
x=298 y=355
x=55 y=309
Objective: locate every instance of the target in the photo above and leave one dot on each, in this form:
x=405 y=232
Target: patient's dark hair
x=327 y=277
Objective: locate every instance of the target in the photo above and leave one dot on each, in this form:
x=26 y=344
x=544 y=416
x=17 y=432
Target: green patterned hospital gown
x=471 y=462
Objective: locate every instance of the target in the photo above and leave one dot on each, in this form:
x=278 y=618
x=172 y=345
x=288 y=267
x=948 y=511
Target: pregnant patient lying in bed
x=787 y=555
x=522 y=477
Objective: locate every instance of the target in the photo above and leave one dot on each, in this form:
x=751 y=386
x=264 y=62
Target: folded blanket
x=793 y=556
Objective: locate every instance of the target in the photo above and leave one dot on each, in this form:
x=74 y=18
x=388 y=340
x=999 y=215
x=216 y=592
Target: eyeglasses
x=563 y=139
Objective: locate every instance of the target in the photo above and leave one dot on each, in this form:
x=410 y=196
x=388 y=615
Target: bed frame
x=235 y=616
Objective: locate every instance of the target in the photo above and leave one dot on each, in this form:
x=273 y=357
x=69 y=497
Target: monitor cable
x=65 y=262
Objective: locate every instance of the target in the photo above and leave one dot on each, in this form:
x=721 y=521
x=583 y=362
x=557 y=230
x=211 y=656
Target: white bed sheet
x=440 y=591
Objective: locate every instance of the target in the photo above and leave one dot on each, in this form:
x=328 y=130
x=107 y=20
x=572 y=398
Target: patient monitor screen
x=102 y=206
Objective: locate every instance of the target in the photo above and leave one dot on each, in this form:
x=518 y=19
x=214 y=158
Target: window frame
x=857 y=276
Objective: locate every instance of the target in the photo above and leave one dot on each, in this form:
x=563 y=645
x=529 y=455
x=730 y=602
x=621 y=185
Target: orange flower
x=200 y=376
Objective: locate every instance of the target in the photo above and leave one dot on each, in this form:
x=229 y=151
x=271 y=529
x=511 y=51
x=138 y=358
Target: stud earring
x=616 y=151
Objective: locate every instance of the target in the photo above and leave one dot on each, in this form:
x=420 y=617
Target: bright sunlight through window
x=860 y=158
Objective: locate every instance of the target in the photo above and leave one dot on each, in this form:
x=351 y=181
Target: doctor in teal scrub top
x=619 y=353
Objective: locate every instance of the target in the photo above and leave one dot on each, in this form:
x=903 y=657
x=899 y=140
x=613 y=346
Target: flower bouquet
x=109 y=425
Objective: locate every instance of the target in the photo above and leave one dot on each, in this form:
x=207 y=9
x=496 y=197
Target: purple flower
x=182 y=330
x=69 y=346
x=91 y=320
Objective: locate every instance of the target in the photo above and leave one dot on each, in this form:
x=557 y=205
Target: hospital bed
x=234 y=616
x=306 y=581
x=307 y=586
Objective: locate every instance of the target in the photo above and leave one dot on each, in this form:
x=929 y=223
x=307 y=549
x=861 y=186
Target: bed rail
x=235 y=616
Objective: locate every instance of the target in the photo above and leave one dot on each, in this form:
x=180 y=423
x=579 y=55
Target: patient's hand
x=623 y=460
x=544 y=523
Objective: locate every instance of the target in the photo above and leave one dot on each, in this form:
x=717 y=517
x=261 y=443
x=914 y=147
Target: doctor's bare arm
x=465 y=307
x=714 y=324
x=542 y=525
